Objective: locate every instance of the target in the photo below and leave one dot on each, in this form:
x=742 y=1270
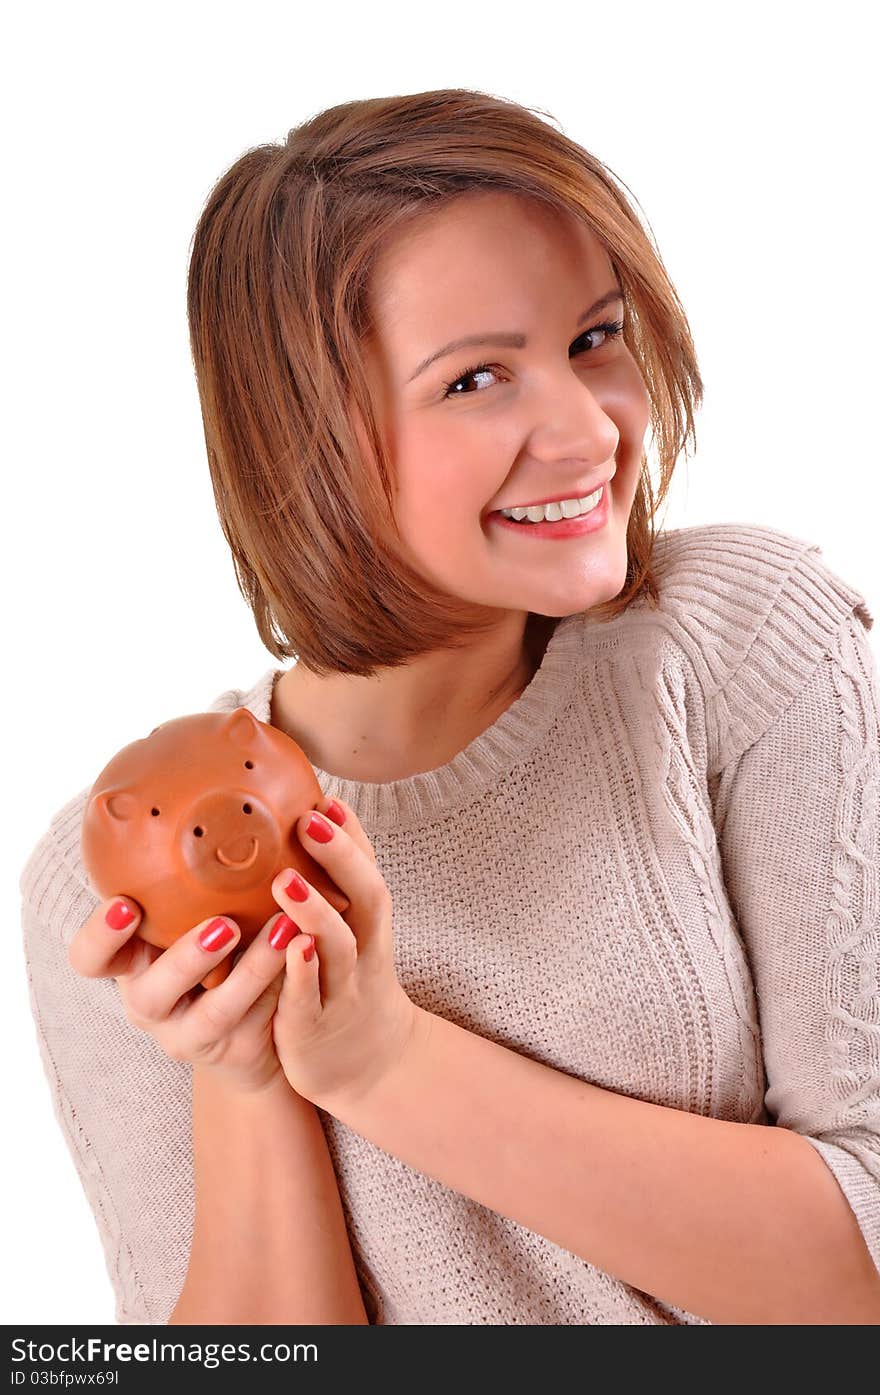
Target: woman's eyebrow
x=509 y=338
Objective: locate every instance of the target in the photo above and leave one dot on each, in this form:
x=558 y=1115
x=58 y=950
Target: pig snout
x=229 y=833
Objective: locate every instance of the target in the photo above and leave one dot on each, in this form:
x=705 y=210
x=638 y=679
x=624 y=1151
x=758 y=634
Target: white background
x=745 y=133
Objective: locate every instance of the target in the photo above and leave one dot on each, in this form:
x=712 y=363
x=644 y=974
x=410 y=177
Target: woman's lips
x=565 y=527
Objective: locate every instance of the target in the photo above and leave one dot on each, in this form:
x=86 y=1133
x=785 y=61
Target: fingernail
x=119 y=916
x=309 y=949
x=283 y=932
x=335 y=812
x=216 y=935
x=296 y=888
x=319 y=829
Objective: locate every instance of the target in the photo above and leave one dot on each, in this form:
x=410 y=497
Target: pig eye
x=247 y=809
x=199 y=832
x=155 y=813
x=248 y=765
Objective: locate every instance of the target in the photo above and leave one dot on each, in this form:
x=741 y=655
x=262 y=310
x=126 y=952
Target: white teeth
x=564 y=508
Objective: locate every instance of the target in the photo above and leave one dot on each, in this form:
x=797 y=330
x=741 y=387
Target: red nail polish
x=309 y=949
x=283 y=932
x=319 y=829
x=335 y=812
x=119 y=916
x=216 y=935
x=296 y=888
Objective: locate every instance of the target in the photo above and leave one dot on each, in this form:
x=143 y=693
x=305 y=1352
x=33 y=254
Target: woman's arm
x=736 y=1223
x=270 y=1243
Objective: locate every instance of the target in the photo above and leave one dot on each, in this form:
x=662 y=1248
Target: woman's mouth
x=564 y=527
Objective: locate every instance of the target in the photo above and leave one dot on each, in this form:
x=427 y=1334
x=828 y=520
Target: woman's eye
x=463 y=377
x=607 y=333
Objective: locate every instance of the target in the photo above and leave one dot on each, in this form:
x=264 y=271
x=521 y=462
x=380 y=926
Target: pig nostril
x=199 y=832
x=247 y=808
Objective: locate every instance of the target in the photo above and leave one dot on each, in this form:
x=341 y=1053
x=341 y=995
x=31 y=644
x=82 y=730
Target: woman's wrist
x=270 y=1242
x=212 y=1080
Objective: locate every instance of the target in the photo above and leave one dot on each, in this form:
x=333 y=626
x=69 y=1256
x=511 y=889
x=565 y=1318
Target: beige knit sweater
x=685 y=800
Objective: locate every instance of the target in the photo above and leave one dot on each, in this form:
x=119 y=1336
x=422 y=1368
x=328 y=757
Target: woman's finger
x=299 y=1002
x=152 y=996
x=343 y=815
x=314 y=915
x=259 y=970
x=368 y=917
x=106 y=943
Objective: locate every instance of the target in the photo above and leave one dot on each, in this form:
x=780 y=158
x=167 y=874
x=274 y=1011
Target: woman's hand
x=343 y=1019
x=226 y=1030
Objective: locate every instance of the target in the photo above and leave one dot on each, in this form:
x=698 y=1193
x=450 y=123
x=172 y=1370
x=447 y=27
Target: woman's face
x=551 y=417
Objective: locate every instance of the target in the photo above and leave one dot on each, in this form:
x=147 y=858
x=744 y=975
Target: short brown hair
x=277 y=299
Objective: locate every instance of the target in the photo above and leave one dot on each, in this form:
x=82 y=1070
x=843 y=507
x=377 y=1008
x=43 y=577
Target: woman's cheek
x=635 y=399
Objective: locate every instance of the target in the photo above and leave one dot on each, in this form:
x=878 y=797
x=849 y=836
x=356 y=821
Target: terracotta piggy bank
x=196 y=820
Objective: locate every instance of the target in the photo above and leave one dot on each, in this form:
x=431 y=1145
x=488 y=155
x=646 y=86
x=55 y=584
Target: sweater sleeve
x=796 y=815
x=123 y=1106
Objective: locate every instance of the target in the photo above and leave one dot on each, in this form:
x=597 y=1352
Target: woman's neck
x=344 y=731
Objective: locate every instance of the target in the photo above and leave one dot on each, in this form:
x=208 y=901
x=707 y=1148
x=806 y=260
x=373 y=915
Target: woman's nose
x=570 y=421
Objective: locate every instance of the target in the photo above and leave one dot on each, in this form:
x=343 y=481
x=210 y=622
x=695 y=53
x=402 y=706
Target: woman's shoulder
x=755 y=609
x=257 y=698
x=733 y=577
x=53 y=883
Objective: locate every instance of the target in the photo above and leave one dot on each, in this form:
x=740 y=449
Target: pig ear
x=117 y=804
x=241 y=728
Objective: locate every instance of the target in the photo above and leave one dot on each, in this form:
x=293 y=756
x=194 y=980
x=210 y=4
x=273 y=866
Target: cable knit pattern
x=813 y=917
x=685 y=801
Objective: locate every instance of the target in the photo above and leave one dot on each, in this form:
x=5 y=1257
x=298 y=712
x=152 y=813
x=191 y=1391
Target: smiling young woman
x=619 y=787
